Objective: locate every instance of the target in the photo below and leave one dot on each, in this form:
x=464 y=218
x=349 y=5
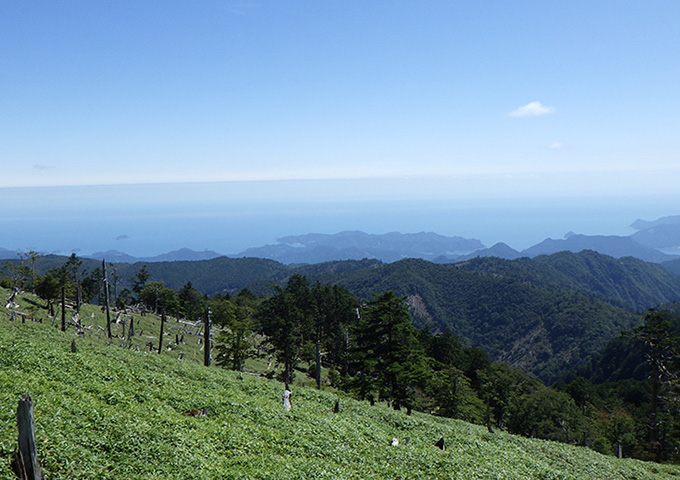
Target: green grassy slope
x=180 y=338
x=109 y=413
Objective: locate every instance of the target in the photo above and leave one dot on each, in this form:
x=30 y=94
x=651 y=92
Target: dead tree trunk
x=131 y=330
x=106 y=300
x=160 y=338
x=318 y=361
x=26 y=464
x=79 y=297
x=206 y=339
x=63 y=309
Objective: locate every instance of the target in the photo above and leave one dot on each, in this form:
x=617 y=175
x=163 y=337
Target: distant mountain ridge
x=499 y=250
x=611 y=245
x=181 y=255
x=655 y=241
x=646 y=244
x=355 y=245
x=640 y=224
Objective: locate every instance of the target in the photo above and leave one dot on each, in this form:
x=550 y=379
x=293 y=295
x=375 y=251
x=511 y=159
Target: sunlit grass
x=107 y=412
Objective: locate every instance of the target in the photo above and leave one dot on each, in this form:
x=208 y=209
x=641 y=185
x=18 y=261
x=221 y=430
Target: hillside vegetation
x=541 y=331
x=543 y=315
x=624 y=282
x=108 y=413
x=208 y=276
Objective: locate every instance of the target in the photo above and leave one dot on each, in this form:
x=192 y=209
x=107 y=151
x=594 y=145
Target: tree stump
x=25 y=463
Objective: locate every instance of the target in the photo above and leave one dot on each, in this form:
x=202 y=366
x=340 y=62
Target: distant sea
x=229 y=218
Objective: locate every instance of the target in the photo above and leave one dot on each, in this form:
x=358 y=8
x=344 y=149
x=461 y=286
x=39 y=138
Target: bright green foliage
x=191 y=303
x=139 y=280
x=234 y=343
x=111 y=413
x=48 y=288
x=501 y=389
x=453 y=396
x=92 y=287
x=157 y=297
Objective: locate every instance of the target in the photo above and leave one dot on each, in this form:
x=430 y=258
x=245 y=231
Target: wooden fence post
x=26 y=464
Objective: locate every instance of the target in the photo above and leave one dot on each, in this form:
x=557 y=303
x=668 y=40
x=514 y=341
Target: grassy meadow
x=106 y=412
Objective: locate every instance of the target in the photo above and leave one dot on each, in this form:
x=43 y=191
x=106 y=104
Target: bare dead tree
x=131 y=330
x=63 y=309
x=206 y=338
x=106 y=300
x=160 y=338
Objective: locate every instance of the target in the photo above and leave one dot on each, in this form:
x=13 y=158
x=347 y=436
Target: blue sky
x=135 y=92
x=490 y=99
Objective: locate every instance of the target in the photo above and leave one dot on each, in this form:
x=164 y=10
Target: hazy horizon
x=148 y=220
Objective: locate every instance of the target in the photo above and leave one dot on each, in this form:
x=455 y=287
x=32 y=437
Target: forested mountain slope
x=215 y=276
x=627 y=282
x=672 y=266
x=538 y=330
x=210 y=277
x=624 y=358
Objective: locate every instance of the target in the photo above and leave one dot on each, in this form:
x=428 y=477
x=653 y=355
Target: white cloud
x=533 y=109
x=556 y=146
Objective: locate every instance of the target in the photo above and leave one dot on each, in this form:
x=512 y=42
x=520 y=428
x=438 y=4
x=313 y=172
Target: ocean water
x=150 y=220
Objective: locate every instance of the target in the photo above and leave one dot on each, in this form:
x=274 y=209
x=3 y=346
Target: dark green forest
x=576 y=348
